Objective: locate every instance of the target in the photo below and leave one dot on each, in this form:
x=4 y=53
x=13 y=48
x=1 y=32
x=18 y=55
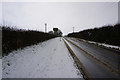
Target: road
x=98 y=62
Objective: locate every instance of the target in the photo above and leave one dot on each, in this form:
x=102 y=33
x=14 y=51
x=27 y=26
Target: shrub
x=106 y=34
x=12 y=39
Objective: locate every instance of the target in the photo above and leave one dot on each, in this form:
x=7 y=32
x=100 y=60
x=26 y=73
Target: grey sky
x=64 y=15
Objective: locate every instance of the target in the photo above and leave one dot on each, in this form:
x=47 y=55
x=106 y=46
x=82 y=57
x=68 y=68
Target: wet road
x=98 y=61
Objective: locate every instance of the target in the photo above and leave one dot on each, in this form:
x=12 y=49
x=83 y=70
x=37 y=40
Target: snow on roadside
x=49 y=59
x=105 y=45
x=0 y=69
x=102 y=44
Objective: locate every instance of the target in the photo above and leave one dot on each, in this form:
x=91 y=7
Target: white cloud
x=0 y=13
x=65 y=15
x=61 y=0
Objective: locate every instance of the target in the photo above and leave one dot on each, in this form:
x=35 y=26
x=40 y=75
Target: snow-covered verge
x=0 y=69
x=49 y=59
x=102 y=44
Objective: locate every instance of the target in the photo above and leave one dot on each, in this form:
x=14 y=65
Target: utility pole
x=3 y=20
x=45 y=27
x=73 y=29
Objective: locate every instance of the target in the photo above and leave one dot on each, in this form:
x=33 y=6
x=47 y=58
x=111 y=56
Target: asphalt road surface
x=100 y=62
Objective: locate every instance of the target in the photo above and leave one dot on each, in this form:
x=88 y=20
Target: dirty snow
x=49 y=59
x=0 y=69
x=102 y=44
x=105 y=45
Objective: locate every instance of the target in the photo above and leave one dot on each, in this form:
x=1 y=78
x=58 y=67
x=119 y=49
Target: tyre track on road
x=80 y=66
x=91 y=57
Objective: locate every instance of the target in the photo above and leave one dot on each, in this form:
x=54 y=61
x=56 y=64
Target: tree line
x=12 y=38
x=105 y=34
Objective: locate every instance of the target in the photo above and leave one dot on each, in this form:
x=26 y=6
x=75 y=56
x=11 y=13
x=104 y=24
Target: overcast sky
x=64 y=15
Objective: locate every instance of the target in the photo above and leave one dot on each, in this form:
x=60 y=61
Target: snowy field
x=49 y=59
